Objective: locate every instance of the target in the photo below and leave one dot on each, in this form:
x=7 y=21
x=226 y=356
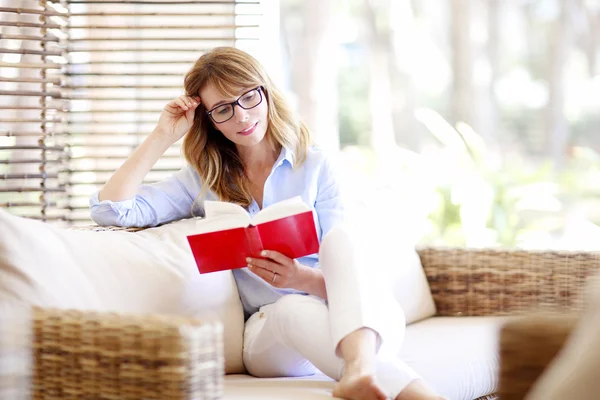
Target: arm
x=152 y=205
x=175 y=121
x=122 y=202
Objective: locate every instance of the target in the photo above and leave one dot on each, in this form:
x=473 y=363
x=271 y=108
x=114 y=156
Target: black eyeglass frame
x=259 y=89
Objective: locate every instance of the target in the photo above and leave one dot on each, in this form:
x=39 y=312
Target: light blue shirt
x=172 y=199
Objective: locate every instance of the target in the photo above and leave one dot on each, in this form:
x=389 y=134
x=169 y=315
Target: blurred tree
x=391 y=43
x=462 y=102
x=380 y=95
x=475 y=41
x=557 y=129
x=311 y=44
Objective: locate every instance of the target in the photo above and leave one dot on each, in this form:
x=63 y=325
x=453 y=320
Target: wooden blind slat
x=37 y=93
x=135 y=50
x=30 y=134
x=29 y=37
x=122 y=74
x=19 y=147
x=30 y=161
x=162 y=2
x=149 y=62
x=155 y=14
x=121 y=86
x=49 y=65
x=27 y=176
x=24 y=204
x=31 y=80
x=17 y=10
x=31 y=25
x=161 y=27
x=33 y=189
x=152 y=39
x=29 y=51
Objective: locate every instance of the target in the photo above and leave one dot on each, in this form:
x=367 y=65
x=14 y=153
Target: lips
x=249 y=130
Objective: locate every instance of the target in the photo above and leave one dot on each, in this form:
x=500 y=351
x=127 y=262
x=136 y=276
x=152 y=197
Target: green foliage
x=353 y=112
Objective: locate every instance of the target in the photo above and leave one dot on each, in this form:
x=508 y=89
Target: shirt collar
x=285 y=155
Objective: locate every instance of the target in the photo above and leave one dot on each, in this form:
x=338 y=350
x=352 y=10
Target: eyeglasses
x=248 y=100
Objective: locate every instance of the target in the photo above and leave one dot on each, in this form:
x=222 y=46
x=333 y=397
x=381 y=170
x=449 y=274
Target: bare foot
x=358 y=384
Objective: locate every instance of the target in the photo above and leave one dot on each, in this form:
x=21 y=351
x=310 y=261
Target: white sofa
x=152 y=271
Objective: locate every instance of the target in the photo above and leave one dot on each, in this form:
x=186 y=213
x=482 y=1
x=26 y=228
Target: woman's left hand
x=280 y=271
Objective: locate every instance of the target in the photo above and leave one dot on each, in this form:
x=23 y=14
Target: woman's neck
x=259 y=157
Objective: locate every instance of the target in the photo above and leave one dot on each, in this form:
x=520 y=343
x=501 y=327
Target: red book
x=227 y=235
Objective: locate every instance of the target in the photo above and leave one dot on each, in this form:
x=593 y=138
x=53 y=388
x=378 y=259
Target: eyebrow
x=220 y=104
x=244 y=91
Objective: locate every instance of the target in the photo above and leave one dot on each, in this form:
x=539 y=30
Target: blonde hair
x=206 y=149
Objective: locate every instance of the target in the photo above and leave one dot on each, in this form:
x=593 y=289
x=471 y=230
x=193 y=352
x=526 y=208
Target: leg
x=266 y=352
x=292 y=338
x=364 y=316
x=358 y=381
x=281 y=338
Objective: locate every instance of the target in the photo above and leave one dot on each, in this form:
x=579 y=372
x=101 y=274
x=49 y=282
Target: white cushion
x=456 y=356
x=246 y=387
x=147 y=272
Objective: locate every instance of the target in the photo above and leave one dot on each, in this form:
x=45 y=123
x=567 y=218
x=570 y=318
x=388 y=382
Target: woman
x=243 y=144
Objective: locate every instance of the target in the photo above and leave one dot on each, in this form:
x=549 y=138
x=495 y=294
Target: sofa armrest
x=79 y=354
x=471 y=282
x=527 y=346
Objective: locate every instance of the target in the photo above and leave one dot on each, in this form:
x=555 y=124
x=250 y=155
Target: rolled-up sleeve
x=155 y=204
x=329 y=205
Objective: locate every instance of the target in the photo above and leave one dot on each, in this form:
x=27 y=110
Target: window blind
x=33 y=150
x=123 y=60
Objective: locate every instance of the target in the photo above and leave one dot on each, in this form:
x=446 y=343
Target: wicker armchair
x=66 y=354
x=546 y=286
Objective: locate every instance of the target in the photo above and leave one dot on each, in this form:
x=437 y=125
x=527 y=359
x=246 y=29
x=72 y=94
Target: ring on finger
x=274 y=277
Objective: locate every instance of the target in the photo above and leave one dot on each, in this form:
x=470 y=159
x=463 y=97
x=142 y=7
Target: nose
x=241 y=115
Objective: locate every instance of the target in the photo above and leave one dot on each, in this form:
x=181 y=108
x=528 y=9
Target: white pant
x=299 y=335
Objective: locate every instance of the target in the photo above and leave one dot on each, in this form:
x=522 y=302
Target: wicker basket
x=93 y=355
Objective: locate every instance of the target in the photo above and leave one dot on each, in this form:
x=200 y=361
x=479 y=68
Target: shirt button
x=262 y=315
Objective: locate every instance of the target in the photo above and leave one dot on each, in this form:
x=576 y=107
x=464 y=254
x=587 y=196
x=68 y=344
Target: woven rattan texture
x=468 y=282
x=93 y=355
x=527 y=346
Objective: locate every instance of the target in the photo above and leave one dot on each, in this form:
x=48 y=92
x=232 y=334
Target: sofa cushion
x=151 y=271
x=456 y=356
x=246 y=387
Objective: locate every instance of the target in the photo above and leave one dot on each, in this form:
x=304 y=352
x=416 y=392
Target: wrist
x=161 y=138
x=312 y=282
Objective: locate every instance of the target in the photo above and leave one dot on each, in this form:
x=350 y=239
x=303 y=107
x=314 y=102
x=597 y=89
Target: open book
x=227 y=235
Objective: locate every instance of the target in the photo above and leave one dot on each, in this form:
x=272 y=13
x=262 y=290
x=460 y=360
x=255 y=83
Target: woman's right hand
x=177 y=117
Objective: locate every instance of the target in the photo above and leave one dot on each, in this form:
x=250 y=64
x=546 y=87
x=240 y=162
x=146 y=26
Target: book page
x=284 y=208
x=220 y=215
x=216 y=208
x=220 y=223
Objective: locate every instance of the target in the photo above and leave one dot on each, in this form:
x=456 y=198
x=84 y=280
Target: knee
x=342 y=248
x=291 y=311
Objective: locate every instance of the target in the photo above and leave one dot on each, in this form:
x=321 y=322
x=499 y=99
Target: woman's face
x=247 y=127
